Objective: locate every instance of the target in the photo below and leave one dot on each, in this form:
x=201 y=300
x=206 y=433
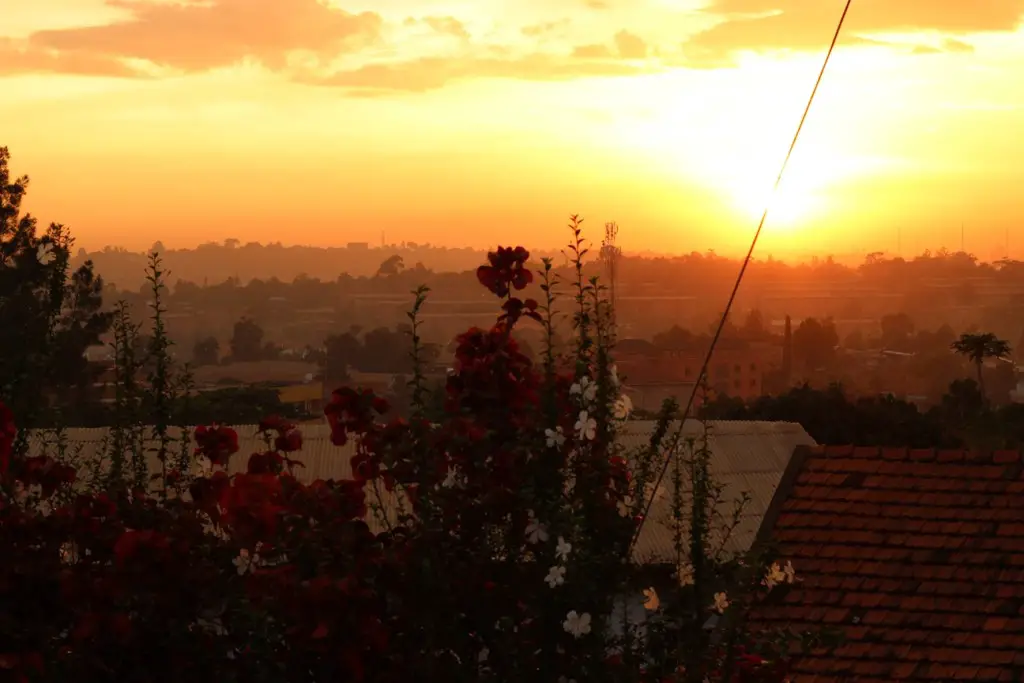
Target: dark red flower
x=275 y=423
x=506 y=270
x=8 y=432
x=270 y=462
x=289 y=441
x=133 y=543
x=44 y=471
x=350 y=411
x=217 y=443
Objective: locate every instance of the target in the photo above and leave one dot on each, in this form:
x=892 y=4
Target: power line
x=739 y=277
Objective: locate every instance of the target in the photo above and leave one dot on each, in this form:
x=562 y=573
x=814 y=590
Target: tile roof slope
x=747 y=457
x=917 y=555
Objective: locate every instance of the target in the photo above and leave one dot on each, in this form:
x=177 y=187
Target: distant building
x=733 y=372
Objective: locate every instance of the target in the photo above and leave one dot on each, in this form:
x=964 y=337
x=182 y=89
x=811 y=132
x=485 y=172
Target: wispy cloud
x=431 y=73
x=805 y=24
x=198 y=36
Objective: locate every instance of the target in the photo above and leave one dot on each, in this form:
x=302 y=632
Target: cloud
x=537 y=30
x=630 y=46
x=23 y=59
x=431 y=73
x=448 y=26
x=807 y=24
x=304 y=39
x=592 y=51
x=951 y=45
x=198 y=36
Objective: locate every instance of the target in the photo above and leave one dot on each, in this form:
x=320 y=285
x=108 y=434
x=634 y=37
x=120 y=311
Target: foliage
x=490 y=542
x=49 y=315
x=978 y=348
x=814 y=343
x=247 y=341
x=206 y=352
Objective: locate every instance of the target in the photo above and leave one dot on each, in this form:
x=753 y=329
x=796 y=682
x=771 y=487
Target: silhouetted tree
x=896 y=331
x=341 y=351
x=393 y=265
x=978 y=348
x=964 y=401
x=206 y=352
x=49 y=316
x=247 y=341
x=814 y=342
x=753 y=326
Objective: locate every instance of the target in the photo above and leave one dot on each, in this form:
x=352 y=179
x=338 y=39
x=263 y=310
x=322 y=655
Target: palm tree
x=977 y=348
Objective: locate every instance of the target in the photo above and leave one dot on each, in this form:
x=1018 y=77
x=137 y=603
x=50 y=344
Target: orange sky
x=474 y=122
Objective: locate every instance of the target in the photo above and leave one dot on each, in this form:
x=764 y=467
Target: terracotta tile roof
x=917 y=555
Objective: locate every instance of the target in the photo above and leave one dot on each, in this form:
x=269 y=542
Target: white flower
x=685 y=574
x=452 y=479
x=484 y=654
x=721 y=602
x=586 y=426
x=577 y=624
x=789 y=572
x=44 y=508
x=651 y=601
x=68 y=553
x=246 y=562
x=613 y=375
x=555 y=437
x=44 y=254
x=586 y=389
x=535 y=531
x=203 y=466
x=774 y=576
x=623 y=407
x=555 y=577
x=563 y=549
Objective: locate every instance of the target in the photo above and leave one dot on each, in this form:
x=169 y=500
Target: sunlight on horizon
x=442 y=119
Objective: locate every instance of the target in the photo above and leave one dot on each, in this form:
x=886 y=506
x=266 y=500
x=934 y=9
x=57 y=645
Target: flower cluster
x=490 y=537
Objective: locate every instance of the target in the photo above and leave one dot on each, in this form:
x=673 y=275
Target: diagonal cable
x=739 y=277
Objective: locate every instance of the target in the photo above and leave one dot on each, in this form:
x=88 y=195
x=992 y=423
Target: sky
x=484 y=122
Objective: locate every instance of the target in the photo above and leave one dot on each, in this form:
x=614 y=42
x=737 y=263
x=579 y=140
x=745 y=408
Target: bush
x=506 y=553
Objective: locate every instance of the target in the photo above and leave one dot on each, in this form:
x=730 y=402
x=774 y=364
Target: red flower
x=132 y=543
x=8 y=432
x=217 y=443
x=289 y=441
x=206 y=492
x=351 y=411
x=507 y=270
x=270 y=462
x=275 y=423
x=44 y=471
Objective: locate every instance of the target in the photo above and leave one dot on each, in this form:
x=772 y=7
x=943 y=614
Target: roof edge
x=789 y=476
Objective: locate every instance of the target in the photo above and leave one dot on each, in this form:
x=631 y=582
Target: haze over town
x=468 y=123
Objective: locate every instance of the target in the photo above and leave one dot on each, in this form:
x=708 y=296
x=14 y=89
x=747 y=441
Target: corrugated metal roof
x=746 y=457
